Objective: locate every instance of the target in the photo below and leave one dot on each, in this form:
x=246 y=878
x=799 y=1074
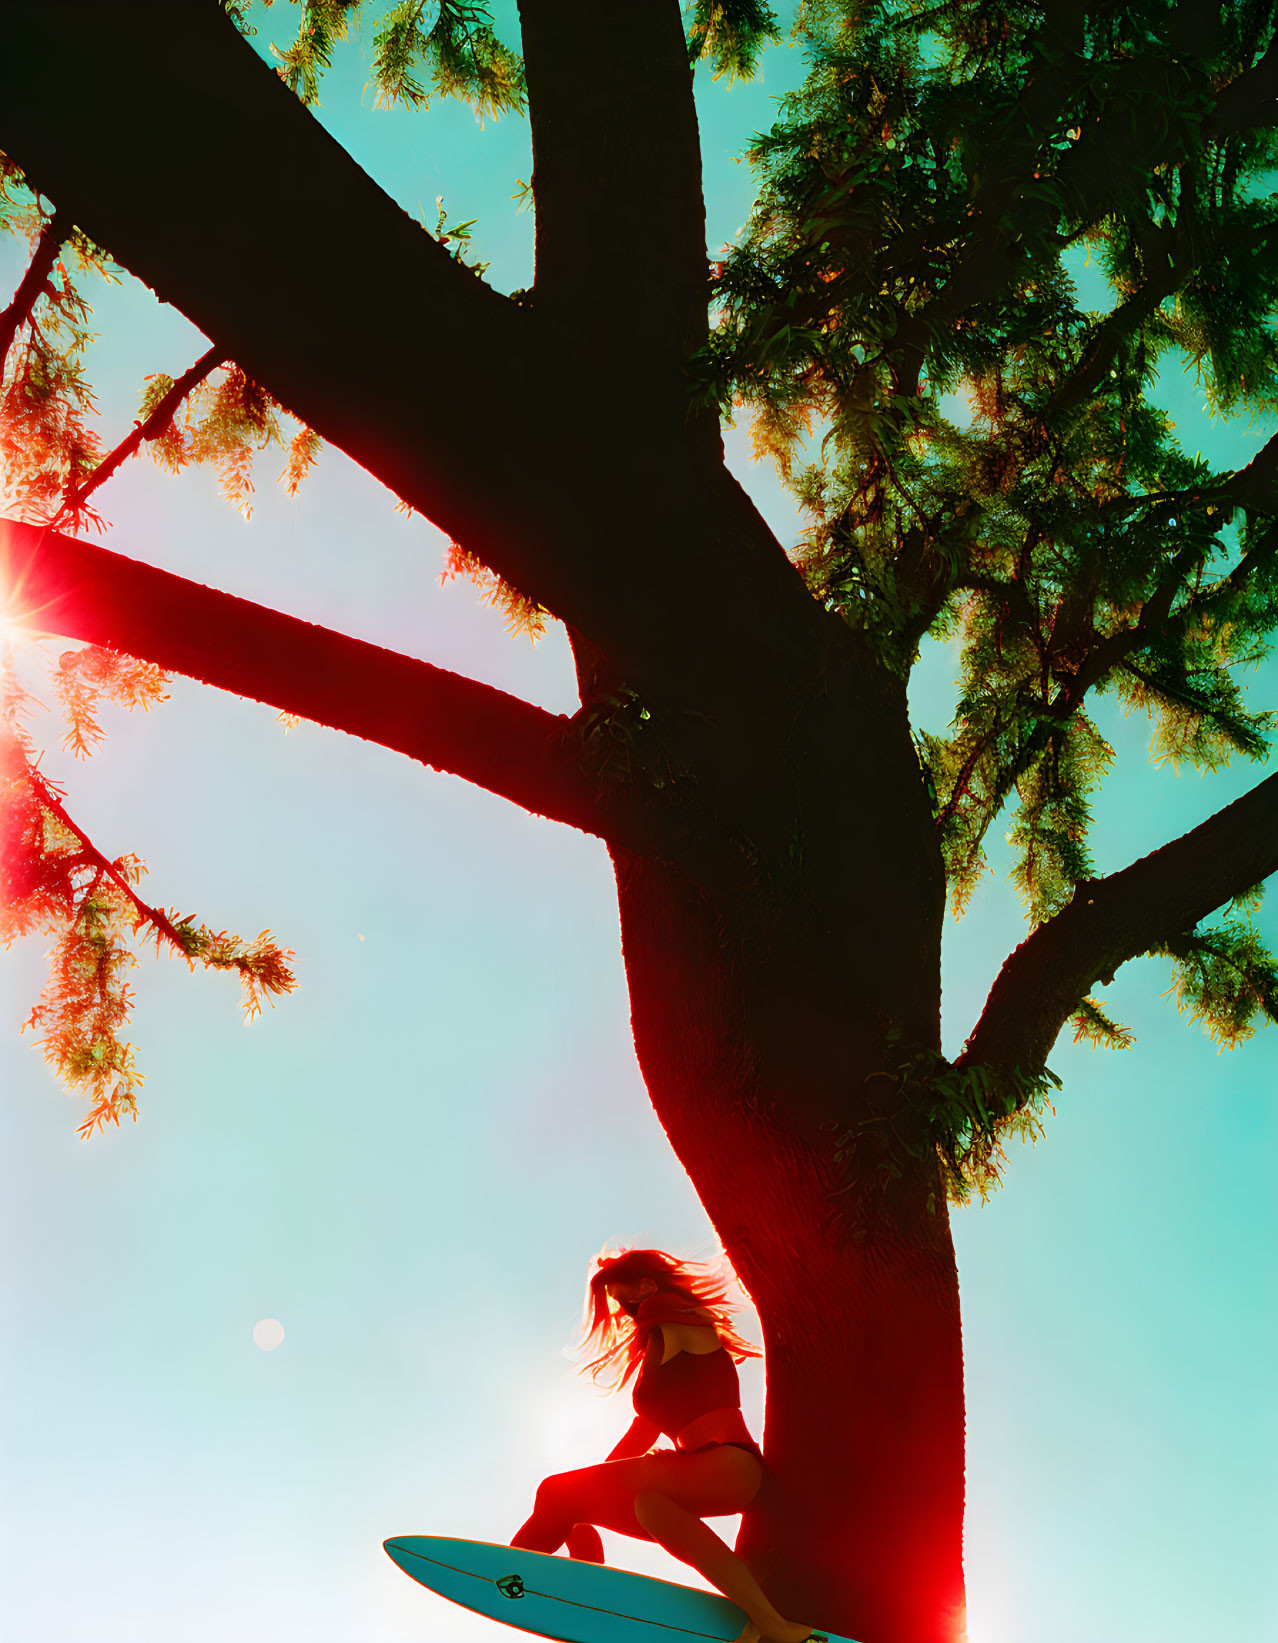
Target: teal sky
x=410 y=1161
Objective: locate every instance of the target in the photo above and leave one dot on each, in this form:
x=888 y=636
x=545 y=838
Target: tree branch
x=628 y=527
x=1114 y=919
x=61 y=585
x=614 y=150
x=1250 y=102
x=151 y=428
x=31 y=286
x=162 y=927
x=1108 y=336
x=1252 y=486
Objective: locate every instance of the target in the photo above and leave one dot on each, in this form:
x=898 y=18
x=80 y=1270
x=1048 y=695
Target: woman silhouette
x=649 y=1313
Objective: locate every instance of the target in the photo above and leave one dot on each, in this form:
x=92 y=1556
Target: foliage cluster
x=420 y=49
x=912 y=291
x=47 y=446
x=1224 y=974
x=523 y=615
x=51 y=457
x=449 y=48
x=922 y=1106
x=730 y=34
x=55 y=881
x=226 y=419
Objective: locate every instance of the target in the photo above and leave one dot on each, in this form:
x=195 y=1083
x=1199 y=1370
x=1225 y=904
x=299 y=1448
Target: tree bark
x=751 y=1064
x=622 y=272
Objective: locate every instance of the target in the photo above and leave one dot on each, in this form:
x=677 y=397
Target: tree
x=784 y=844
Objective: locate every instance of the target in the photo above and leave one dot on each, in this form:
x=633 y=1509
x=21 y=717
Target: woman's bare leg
x=569 y=1502
x=663 y=1497
x=695 y=1543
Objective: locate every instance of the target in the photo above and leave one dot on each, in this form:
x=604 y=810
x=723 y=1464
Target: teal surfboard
x=561 y=1598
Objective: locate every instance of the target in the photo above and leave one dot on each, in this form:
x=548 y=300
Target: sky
x=410 y=1161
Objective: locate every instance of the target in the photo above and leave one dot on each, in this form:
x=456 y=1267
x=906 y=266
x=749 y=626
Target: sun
x=17 y=629
x=16 y=632
x=12 y=625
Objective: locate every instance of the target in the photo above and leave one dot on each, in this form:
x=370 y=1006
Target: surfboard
x=564 y=1599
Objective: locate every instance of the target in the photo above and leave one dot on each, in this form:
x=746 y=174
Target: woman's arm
x=639 y=1438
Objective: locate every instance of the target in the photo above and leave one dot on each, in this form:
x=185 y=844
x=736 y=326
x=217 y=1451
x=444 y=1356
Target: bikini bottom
x=728 y=1443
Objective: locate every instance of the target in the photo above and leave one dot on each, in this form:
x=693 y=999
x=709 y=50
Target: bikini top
x=690 y=1384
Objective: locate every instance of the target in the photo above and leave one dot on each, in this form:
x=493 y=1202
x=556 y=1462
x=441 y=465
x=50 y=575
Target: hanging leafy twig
x=151 y=427
x=83 y=677
x=263 y=968
x=54 y=878
x=731 y=33
x=45 y=444
x=32 y=285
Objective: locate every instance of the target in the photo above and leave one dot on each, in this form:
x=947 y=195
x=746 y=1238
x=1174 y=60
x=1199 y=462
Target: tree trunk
x=749 y=1062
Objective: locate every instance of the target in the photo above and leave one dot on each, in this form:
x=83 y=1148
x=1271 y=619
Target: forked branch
x=235 y=225
x=280 y=249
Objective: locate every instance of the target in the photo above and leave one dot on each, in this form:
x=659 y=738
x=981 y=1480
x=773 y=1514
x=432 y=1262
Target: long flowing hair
x=611 y=1333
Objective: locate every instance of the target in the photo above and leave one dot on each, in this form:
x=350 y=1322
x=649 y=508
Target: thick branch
x=268 y=236
x=1250 y=102
x=1252 y=486
x=621 y=234
x=60 y=585
x=256 y=220
x=1118 y=918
